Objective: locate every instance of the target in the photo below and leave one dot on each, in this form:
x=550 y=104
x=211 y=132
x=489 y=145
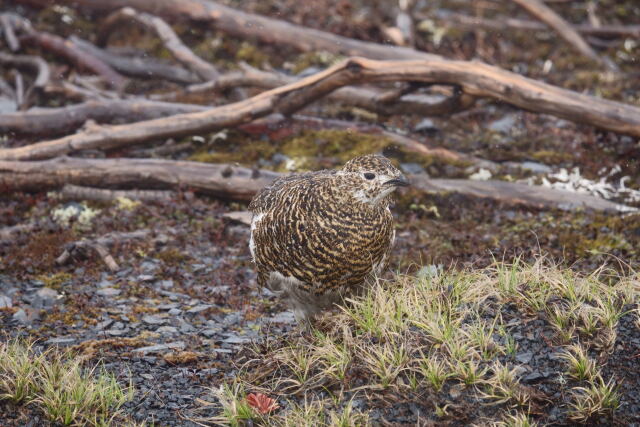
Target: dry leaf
x=262 y=403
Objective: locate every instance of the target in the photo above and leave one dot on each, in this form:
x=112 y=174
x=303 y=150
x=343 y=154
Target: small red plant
x=262 y=403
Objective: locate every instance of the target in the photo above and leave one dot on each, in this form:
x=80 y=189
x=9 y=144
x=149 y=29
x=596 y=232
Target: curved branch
x=475 y=79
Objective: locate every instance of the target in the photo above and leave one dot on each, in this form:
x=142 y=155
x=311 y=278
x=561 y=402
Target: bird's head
x=373 y=178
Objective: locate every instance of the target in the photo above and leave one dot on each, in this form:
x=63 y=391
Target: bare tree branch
x=475 y=79
x=544 y=13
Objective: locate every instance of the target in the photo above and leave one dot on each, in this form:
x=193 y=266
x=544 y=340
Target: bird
x=317 y=237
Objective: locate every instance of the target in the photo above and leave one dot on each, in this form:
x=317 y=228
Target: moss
x=55 y=281
x=551 y=157
x=314 y=59
x=251 y=55
x=172 y=256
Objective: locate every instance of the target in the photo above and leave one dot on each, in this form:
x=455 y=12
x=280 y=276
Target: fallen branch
x=81 y=247
x=80 y=58
x=239 y=183
x=248 y=25
x=223 y=181
x=137 y=66
x=506 y=23
x=34 y=63
x=171 y=41
x=544 y=13
x=475 y=79
x=76 y=192
x=55 y=121
x=519 y=194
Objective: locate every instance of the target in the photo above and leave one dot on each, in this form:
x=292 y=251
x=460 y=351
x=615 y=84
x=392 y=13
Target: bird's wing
x=271 y=194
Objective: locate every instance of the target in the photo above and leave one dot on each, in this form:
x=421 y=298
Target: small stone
x=175 y=312
x=109 y=292
x=115 y=332
x=104 y=283
x=118 y=325
x=426 y=126
x=178 y=345
x=167 y=330
x=234 y=339
x=199 y=308
x=168 y=306
x=412 y=168
x=147 y=377
x=524 y=357
x=210 y=333
x=165 y=284
x=504 y=124
x=103 y=325
x=60 y=340
x=153 y=320
x=21 y=316
x=5 y=301
x=45 y=298
x=146 y=278
x=284 y=317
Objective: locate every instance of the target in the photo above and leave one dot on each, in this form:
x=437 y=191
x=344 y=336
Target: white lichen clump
x=82 y=214
x=573 y=181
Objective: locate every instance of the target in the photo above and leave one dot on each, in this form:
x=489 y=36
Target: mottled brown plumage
x=316 y=236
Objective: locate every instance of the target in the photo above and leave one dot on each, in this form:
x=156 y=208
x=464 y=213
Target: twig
x=19 y=87
x=171 y=41
x=544 y=13
x=100 y=247
x=35 y=63
x=77 y=56
x=76 y=192
x=475 y=79
x=9 y=34
x=136 y=66
x=506 y=23
x=238 y=183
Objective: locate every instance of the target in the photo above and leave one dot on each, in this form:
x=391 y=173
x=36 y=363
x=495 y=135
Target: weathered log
x=77 y=192
x=476 y=79
x=544 y=13
x=223 y=181
x=239 y=183
x=55 y=121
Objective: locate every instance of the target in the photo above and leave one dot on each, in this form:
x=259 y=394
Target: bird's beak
x=400 y=181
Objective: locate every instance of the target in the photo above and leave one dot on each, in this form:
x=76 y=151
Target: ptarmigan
x=317 y=236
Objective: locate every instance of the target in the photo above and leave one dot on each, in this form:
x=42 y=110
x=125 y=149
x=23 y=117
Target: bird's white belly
x=252 y=244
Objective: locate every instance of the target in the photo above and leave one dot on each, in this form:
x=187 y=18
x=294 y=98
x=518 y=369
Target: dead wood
x=239 y=183
x=506 y=23
x=136 y=66
x=223 y=181
x=55 y=121
x=77 y=192
x=99 y=245
x=544 y=13
x=9 y=234
x=369 y=99
x=171 y=41
x=519 y=194
x=247 y=25
x=34 y=63
x=77 y=56
x=475 y=79
x=6 y=23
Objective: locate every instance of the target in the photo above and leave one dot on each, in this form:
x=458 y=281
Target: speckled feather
x=325 y=232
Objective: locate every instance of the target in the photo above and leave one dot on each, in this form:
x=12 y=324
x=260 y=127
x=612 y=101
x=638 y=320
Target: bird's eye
x=369 y=175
